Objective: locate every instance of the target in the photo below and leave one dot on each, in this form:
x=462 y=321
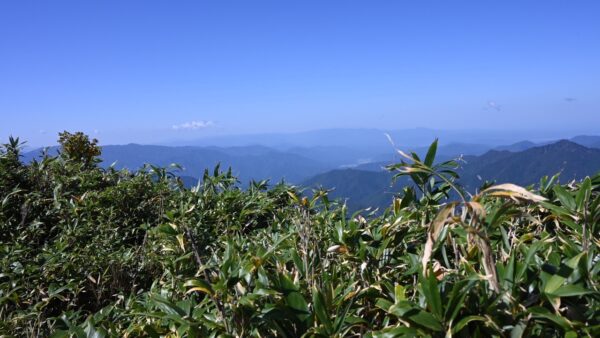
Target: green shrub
x=87 y=251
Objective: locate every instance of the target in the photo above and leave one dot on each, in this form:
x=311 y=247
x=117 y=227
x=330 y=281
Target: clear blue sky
x=149 y=71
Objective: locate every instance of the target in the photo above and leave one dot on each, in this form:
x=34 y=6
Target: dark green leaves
x=91 y=252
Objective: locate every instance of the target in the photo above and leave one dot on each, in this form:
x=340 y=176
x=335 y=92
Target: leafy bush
x=94 y=252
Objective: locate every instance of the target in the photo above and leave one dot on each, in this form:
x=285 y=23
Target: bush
x=115 y=253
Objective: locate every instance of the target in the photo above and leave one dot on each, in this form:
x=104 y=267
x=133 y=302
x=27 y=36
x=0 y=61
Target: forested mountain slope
x=369 y=184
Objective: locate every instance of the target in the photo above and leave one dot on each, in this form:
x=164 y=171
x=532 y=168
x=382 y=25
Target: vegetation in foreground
x=92 y=252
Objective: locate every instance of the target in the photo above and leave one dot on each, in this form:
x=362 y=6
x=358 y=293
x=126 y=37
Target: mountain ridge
x=247 y=162
x=572 y=160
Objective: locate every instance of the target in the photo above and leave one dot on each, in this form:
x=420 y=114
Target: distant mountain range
x=519 y=146
x=374 y=139
x=355 y=170
x=584 y=140
x=369 y=185
x=587 y=140
x=571 y=160
x=251 y=162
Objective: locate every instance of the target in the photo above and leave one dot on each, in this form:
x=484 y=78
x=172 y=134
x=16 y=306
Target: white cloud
x=193 y=125
x=494 y=105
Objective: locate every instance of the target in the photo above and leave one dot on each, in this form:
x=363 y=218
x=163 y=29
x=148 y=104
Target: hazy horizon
x=346 y=137
x=155 y=73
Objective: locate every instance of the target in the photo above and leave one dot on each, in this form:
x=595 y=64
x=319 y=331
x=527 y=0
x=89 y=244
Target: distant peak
x=564 y=145
x=565 y=142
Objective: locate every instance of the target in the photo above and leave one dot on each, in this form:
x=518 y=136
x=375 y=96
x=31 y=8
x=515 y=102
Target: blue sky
x=150 y=71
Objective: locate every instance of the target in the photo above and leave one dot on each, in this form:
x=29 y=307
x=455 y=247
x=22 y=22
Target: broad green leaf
x=465 y=321
x=565 y=197
x=168 y=229
x=321 y=310
x=530 y=253
x=585 y=190
x=399 y=293
x=408 y=311
x=297 y=302
x=383 y=304
x=454 y=302
x=395 y=332
x=425 y=319
x=429 y=287
x=430 y=157
x=167 y=306
x=540 y=312
x=571 y=290
x=199 y=285
x=92 y=331
x=557 y=280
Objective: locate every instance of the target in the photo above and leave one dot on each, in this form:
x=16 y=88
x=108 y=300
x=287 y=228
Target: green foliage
x=79 y=148
x=93 y=252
